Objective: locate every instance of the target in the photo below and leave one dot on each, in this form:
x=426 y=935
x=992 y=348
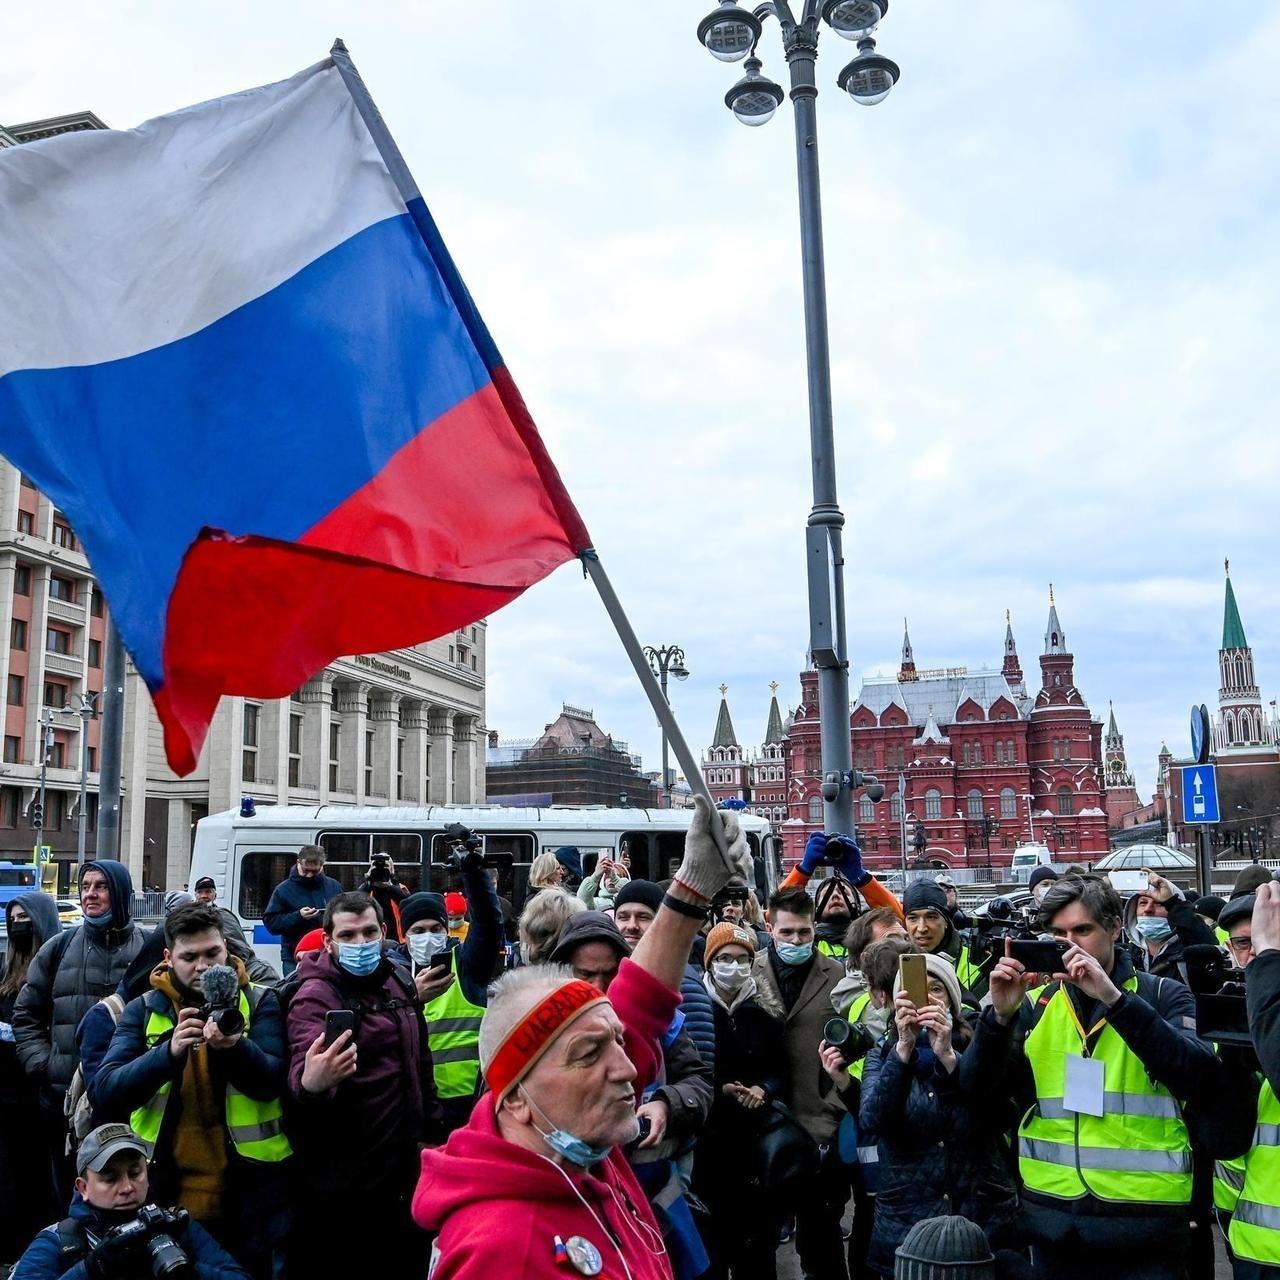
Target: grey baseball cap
x=104 y=1142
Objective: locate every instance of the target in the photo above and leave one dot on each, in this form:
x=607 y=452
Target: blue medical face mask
x=564 y=1143
x=101 y=918
x=793 y=952
x=1154 y=928
x=360 y=959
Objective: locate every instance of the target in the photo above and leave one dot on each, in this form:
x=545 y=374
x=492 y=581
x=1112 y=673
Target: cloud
x=1052 y=322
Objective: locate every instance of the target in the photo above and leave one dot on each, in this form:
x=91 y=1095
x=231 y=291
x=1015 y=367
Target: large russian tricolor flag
x=235 y=351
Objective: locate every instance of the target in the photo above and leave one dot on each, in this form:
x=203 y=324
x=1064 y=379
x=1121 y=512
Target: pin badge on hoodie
x=584 y=1256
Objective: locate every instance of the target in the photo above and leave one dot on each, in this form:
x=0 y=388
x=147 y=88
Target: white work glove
x=705 y=869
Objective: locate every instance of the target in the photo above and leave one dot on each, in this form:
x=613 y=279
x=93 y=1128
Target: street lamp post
x=731 y=34
x=85 y=712
x=667 y=660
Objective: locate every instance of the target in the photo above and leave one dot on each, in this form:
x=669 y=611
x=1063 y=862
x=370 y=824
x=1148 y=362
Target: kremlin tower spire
x=1012 y=668
x=908 y=669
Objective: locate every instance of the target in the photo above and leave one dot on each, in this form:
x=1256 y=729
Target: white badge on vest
x=1086 y=1086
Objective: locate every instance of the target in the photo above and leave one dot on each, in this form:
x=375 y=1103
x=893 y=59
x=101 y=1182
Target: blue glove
x=814 y=853
x=845 y=856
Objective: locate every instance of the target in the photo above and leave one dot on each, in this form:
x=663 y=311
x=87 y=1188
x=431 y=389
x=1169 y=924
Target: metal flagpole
x=111 y=747
x=661 y=707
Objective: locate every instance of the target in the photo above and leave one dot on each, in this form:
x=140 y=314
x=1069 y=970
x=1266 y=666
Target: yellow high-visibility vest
x=1255 y=1224
x=453 y=1035
x=1137 y=1151
x=256 y=1129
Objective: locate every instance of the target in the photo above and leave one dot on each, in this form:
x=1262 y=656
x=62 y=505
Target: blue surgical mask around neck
x=102 y=918
x=360 y=959
x=1154 y=928
x=793 y=952
x=562 y=1142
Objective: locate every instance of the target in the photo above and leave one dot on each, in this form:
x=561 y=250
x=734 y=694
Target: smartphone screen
x=336 y=1021
x=915 y=978
x=1037 y=955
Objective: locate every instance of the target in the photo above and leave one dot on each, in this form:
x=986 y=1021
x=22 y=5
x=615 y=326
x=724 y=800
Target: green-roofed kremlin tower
x=1241 y=724
x=725 y=766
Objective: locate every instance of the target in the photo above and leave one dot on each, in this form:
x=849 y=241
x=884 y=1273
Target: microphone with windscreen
x=221 y=987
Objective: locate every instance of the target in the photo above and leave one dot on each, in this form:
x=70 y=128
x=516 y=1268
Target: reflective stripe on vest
x=1255 y=1224
x=1228 y=1182
x=966 y=971
x=453 y=1035
x=1137 y=1150
x=856 y=1010
x=256 y=1129
x=868 y=1155
x=836 y=950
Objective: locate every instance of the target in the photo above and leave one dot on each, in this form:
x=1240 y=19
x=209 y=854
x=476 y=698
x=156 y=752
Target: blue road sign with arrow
x=1199 y=793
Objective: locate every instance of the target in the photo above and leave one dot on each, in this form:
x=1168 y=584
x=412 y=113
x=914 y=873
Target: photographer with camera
x=1101 y=1062
x=451 y=977
x=113 y=1232
x=844 y=857
x=1163 y=923
x=382 y=886
x=197 y=1065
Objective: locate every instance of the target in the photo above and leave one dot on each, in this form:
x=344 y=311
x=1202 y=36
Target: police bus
x=248 y=852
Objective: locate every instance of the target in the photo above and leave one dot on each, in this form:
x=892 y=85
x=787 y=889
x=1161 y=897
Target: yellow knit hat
x=725 y=934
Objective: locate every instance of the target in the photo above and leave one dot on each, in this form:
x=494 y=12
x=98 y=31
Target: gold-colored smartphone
x=915 y=978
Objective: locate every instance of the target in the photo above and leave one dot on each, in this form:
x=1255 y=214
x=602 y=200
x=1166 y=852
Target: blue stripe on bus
x=264 y=935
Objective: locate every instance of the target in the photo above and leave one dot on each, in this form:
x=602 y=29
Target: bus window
x=259 y=875
x=499 y=860
x=404 y=847
x=345 y=846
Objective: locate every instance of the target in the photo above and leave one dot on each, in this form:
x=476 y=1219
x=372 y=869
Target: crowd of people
x=638 y=1080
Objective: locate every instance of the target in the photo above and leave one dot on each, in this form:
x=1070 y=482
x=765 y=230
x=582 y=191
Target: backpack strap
x=73 y=1244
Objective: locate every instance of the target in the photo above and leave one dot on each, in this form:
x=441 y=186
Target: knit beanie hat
x=924 y=895
x=727 y=934
x=645 y=892
x=944 y=1249
x=455 y=904
x=1249 y=880
x=1040 y=875
x=941 y=968
x=1210 y=905
x=422 y=906
x=312 y=941
x=827 y=889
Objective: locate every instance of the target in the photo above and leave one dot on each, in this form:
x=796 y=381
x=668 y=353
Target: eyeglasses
x=1240 y=946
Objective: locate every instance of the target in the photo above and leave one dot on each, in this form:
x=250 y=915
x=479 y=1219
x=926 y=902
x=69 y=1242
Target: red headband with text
x=533 y=1034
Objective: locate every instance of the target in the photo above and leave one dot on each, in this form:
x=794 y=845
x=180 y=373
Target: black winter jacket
x=1188 y=931
x=283 y=914
x=68 y=976
x=939 y=1149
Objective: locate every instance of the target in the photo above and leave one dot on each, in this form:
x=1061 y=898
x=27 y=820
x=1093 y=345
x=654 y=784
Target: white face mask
x=730 y=974
x=423 y=946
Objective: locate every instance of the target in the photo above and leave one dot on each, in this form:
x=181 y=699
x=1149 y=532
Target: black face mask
x=22 y=931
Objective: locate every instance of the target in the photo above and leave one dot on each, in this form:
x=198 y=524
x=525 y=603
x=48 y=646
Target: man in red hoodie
x=536 y=1185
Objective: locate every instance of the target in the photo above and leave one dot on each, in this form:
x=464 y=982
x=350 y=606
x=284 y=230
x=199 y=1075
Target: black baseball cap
x=104 y=1142
x=588 y=926
x=205 y=882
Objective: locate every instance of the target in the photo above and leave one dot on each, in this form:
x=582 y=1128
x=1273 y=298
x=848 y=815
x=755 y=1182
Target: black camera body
x=380 y=869
x=464 y=846
x=1222 y=1013
x=852 y=1039
x=226 y=1017
x=985 y=938
x=153 y=1231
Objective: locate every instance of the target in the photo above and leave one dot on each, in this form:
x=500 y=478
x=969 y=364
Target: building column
x=178 y=842
x=413 y=725
x=279 y=722
x=464 y=782
x=384 y=717
x=133 y=773
x=317 y=712
x=353 y=703
x=441 y=725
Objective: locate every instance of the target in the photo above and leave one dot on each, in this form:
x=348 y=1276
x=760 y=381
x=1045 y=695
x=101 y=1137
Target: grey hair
x=543 y=920
x=511 y=997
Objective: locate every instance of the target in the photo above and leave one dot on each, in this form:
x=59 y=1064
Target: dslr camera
x=153 y=1231
x=221 y=989
x=380 y=869
x=852 y=1039
x=464 y=846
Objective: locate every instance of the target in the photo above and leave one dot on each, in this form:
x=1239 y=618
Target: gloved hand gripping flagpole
x=661 y=707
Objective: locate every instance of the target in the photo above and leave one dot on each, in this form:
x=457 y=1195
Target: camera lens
x=229 y=1021
x=166 y=1256
x=836 y=1032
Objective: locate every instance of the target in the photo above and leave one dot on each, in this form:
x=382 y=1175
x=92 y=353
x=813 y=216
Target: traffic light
x=37 y=814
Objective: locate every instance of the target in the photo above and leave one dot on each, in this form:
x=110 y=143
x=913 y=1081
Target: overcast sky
x=1052 y=257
